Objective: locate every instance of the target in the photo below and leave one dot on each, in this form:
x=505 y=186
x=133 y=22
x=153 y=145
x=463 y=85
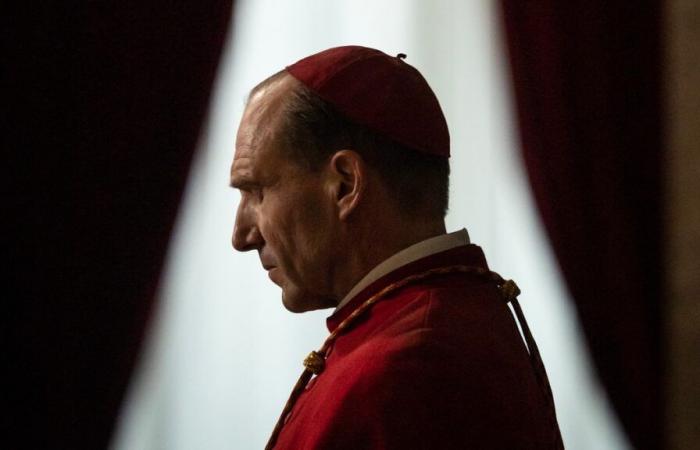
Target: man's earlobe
x=349 y=173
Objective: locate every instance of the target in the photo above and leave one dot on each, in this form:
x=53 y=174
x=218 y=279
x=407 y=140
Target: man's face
x=283 y=213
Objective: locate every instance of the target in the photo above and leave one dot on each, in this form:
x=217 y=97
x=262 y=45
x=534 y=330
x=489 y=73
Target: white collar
x=415 y=252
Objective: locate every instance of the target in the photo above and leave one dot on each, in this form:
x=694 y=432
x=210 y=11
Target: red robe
x=435 y=365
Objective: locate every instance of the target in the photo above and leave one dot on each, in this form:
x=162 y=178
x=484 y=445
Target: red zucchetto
x=379 y=91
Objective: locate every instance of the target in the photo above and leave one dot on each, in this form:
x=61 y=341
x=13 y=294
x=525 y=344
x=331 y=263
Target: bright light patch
x=223 y=354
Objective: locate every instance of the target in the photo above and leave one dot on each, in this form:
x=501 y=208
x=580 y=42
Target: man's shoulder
x=428 y=356
x=454 y=305
x=458 y=320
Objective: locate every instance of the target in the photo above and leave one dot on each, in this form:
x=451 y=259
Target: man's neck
x=369 y=249
x=415 y=252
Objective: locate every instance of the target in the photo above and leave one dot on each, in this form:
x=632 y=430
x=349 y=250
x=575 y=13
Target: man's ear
x=348 y=181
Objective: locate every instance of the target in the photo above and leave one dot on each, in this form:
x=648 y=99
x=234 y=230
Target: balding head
x=317 y=189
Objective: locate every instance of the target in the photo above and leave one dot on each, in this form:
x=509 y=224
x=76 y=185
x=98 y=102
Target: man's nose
x=246 y=235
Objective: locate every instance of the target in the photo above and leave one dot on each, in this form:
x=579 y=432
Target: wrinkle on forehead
x=258 y=128
x=262 y=117
x=241 y=170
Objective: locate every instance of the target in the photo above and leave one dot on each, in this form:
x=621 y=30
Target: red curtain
x=107 y=101
x=587 y=90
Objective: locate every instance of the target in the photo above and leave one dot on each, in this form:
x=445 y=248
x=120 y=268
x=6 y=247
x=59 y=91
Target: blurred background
x=574 y=167
x=224 y=353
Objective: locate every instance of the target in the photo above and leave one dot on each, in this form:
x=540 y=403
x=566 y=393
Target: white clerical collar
x=415 y=252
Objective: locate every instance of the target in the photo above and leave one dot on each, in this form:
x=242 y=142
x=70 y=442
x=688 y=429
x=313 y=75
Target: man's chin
x=297 y=301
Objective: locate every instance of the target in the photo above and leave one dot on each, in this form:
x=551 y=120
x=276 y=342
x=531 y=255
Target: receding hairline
x=266 y=83
x=295 y=96
x=272 y=110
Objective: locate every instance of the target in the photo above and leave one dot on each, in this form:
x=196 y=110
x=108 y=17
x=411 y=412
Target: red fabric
x=587 y=90
x=436 y=365
x=379 y=91
x=108 y=98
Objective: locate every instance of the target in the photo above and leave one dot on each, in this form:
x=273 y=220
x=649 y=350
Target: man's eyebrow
x=243 y=183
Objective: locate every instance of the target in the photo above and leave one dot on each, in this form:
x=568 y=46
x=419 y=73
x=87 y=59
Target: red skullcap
x=380 y=92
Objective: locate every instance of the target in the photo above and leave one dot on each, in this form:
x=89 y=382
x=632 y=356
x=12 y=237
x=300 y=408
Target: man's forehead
x=253 y=146
x=251 y=124
x=253 y=127
x=244 y=155
x=245 y=142
x=256 y=134
x=241 y=171
x=266 y=101
x=260 y=116
x=242 y=163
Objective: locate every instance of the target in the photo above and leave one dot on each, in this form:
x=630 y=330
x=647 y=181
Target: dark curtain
x=586 y=80
x=103 y=105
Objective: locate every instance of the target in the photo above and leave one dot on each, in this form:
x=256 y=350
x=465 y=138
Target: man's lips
x=271 y=269
x=272 y=272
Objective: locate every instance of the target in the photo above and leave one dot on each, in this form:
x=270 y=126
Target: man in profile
x=342 y=164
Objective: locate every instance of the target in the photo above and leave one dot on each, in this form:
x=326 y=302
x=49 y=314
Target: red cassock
x=434 y=365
